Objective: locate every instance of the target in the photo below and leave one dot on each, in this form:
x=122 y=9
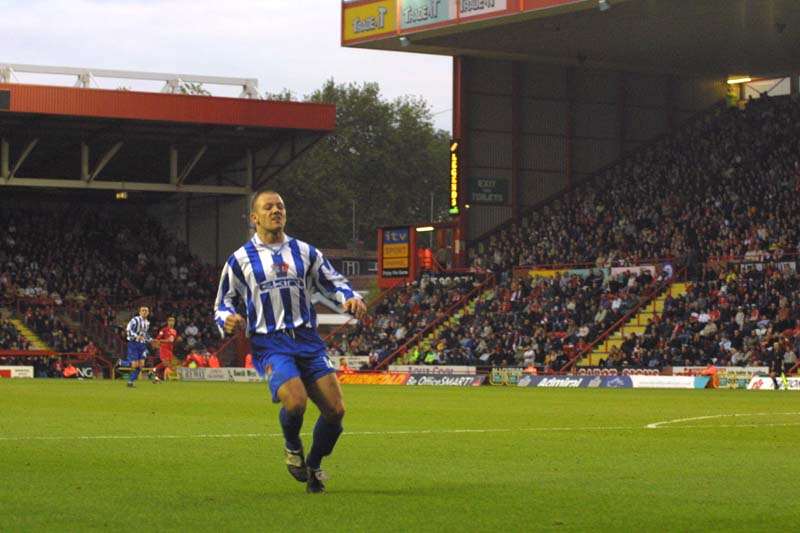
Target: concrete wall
x=213 y=227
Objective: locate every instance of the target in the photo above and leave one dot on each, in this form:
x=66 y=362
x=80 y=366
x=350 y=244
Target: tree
x=386 y=156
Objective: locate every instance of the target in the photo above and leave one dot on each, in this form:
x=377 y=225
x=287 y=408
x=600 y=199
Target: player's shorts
x=136 y=351
x=295 y=353
x=166 y=357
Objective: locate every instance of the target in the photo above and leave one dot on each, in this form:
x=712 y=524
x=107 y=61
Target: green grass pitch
x=96 y=456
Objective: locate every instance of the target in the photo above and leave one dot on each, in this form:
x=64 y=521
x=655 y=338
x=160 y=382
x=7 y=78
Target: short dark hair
x=257 y=194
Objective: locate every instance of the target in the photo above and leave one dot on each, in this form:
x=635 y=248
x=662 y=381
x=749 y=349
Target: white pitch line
x=269 y=435
x=657 y=425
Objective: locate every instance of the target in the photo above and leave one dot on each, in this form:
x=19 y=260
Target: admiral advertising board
x=637 y=382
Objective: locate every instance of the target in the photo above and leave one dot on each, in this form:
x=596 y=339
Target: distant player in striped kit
x=273 y=277
x=138 y=336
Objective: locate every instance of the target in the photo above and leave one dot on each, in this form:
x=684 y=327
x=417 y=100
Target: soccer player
x=138 y=336
x=273 y=277
x=777 y=367
x=166 y=338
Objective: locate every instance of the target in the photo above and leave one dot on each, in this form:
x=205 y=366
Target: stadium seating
x=719 y=194
x=718 y=197
x=96 y=272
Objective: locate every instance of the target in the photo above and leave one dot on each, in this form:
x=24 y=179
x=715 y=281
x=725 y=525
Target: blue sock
x=134 y=375
x=291 y=429
x=325 y=436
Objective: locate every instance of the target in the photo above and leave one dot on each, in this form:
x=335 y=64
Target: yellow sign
x=395 y=250
x=454 y=178
x=547 y=273
x=395 y=262
x=369 y=20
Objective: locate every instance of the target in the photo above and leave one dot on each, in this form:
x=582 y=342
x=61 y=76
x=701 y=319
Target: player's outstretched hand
x=234 y=322
x=356 y=307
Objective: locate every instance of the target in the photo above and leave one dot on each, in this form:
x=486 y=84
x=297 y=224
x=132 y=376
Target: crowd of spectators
x=543 y=320
x=42 y=319
x=737 y=317
x=724 y=186
x=724 y=190
x=196 y=329
x=99 y=260
x=401 y=315
x=11 y=338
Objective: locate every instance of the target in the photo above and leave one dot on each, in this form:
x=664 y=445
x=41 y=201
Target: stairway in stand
x=29 y=334
x=636 y=325
x=426 y=343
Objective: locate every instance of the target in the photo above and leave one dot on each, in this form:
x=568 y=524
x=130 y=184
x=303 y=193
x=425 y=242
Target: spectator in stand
x=195 y=359
x=343 y=368
x=190 y=334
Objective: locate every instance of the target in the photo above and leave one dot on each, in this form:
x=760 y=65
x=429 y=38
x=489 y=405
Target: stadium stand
x=94 y=274
x=10 y=337
x=718 y=198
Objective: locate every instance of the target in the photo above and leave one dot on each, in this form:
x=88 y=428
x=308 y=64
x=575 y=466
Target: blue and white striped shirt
x=275 y=283
x=138 y=327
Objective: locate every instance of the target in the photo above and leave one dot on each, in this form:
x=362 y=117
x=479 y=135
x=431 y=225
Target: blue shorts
x=279 y=357
x=136 y=351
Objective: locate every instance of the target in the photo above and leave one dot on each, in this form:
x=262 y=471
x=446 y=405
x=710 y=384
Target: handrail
x=617 y=263
x=446 y=314
x=649 y=297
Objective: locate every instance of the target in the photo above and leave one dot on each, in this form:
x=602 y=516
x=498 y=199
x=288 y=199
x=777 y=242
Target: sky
x=284 y=44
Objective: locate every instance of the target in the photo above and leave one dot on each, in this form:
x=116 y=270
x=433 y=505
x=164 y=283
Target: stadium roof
x=80 y=138
x=757 y=37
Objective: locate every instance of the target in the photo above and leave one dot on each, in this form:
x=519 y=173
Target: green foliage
x=284 y=96
x=385 y=156
x=96 y=456
x=193 y=88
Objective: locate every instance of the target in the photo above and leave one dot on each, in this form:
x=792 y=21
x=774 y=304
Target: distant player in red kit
x=166 y=338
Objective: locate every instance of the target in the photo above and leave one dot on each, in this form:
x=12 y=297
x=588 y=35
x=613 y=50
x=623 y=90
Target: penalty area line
x=663 y=423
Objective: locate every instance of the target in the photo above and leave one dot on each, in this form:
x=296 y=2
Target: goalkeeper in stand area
x=273 y=276
x=138 y=332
